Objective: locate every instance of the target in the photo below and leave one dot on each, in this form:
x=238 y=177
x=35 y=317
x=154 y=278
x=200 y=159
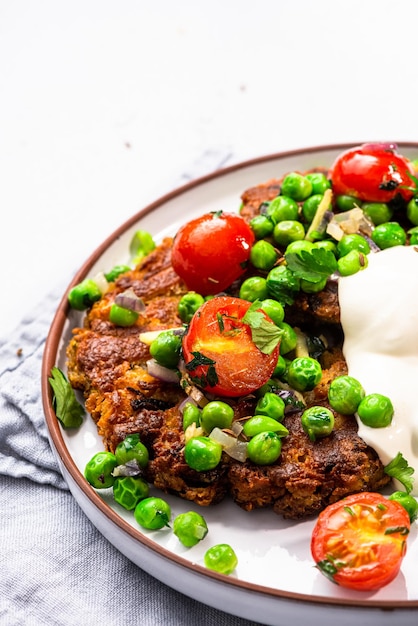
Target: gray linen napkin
x=56 y=568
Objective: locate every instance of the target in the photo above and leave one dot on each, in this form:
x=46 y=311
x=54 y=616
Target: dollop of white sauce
x=379 y=316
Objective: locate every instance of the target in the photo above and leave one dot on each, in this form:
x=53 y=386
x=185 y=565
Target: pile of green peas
x=152 y=512
x=347 y=396
x=127 y=490
x=264 y=431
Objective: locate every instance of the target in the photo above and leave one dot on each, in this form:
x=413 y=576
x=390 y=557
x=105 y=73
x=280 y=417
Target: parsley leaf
x=265 y=334
x=398 y=468
x=66 y=406
x=312 y=265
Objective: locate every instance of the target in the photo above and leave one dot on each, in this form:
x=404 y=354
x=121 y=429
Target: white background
x=106 y=105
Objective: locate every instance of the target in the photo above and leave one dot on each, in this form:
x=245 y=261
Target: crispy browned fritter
x=108 y=363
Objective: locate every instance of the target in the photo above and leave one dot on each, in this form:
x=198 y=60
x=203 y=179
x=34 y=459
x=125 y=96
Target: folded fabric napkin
x=56 y=568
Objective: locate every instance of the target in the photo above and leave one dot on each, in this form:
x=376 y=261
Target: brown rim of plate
x=50 y=358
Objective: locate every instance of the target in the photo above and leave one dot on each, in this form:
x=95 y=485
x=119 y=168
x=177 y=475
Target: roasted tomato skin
x=217 y=332
x=360 y=541
x=210 y=252
x=373 y=173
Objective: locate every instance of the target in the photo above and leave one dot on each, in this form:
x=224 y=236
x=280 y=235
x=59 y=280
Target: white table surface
x=105 y=105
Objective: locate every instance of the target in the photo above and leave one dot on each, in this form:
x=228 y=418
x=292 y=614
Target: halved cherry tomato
x=219 y=352
x=360 y=541
x=212 y=251
x=372 y=172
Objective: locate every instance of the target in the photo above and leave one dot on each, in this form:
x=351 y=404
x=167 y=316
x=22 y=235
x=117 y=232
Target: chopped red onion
x=101 y=282
x=129 y=300
x=234 y=447
x=187 y=400
x=387 y=147
x=162 y=373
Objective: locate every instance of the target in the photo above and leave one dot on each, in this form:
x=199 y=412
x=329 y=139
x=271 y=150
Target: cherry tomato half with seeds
x=372 y=172
x=210 y=252
x=360 y=541
x=219 y=352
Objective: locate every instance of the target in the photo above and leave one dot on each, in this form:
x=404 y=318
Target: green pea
x=413 y=236
x=310 y=206
x=296 y=186
x=270 y=405
x=289 y=338
x=377 y=212
x=221 y=558
x=152 y=513
x=216 y=414
x=270 y=385
x=282 y=208
x=165 y=349
x=262 y=423
x=309 y=287
x=188 y=305
x=264 y=448
x=319 y=182
x=273 y=309
x=263 y=255
x=132 y=449
x=408 y=502
x=345 y=394
x=317 y=421
x=388 y=235
x=84 y=295
x=298 y=245
x=202 y=453
x=262 y=226
x=287 y=231
x=352 y=242
x=253 y=288
x=129 y=490
x=116 y=271
x=120 y=316
x=190 y=528
x=98 y=470
x=352 y=262
x=191 y=415
x=346 y=203
x=412 y=211
x=327 y=244
x=375 y=410
x=141 y=244
x=304 y=373
x=281 y=285
x=281 y=367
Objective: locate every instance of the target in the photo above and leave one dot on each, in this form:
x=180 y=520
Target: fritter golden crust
x=108 y=363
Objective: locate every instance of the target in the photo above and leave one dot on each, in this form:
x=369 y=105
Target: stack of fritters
x=108 y=363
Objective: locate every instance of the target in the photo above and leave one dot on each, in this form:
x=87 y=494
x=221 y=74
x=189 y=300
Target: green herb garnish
x=210 y=378
x=328 y=569
x=66 y=406
x=398 y=468
x=265 y=334
x=312 y=265
x=402 y=530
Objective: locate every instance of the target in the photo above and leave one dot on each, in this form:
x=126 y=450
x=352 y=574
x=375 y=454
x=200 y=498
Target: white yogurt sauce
x=379 y=316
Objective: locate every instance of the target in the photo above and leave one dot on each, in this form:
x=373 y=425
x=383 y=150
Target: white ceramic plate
x=275 y=580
